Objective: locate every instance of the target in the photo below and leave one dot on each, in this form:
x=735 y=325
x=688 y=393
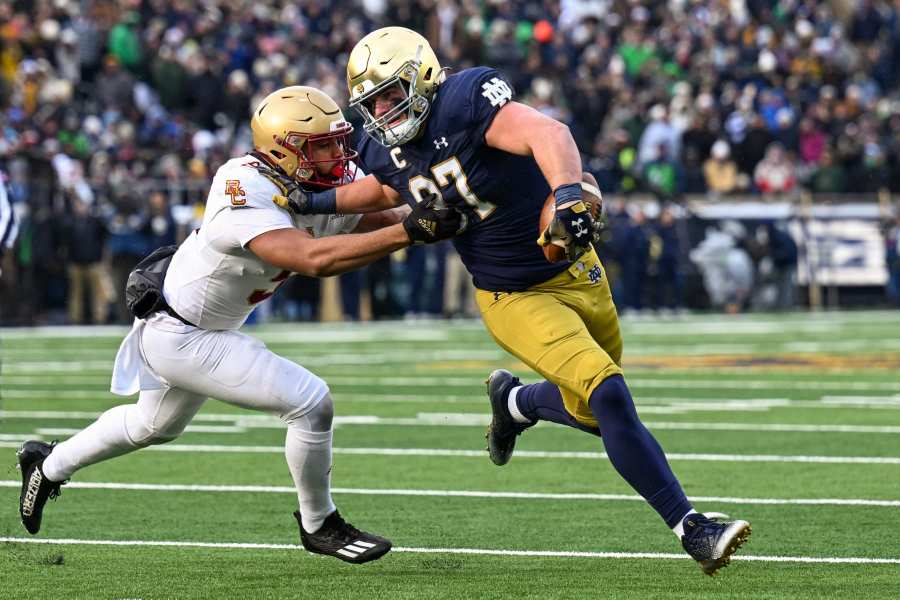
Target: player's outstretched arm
x=365 y=195
x=296 y=251
x=384 y=218
x=520 y=129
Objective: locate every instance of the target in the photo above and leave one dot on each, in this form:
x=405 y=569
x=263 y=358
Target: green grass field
x=791 y=422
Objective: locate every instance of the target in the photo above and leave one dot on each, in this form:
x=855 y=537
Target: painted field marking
x=238 y=423
x=449 y=452
x=475 y=551
x=477 y=380
x=270 y=489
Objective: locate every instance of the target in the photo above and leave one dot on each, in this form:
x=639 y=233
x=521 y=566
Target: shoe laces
x=342 y=527
x=704 y=526
x=55 y=491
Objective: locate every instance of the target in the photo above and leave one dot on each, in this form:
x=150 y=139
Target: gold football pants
x=565 y=328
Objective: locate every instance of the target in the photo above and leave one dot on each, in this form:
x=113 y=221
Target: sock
x=308 y=456
x=105 y=438
x=635 y=453
x=543 y=402
x=678 y=530
x=513 y=406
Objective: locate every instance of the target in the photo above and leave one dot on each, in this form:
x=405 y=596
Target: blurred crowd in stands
x=115 y=114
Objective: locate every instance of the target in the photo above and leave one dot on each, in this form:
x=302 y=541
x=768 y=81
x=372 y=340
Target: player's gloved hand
x=431 y=222
x=291 y=198
x=572 y=224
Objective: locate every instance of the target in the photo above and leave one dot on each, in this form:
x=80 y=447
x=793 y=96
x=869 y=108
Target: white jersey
x=214 y=281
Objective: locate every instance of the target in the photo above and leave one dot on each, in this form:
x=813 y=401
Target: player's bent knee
x=321 y=416
x=612 y=397
x=143 y=433
x=146 y=436
x=610 y=391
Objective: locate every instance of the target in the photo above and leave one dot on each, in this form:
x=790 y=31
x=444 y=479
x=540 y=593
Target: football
x=555 y=252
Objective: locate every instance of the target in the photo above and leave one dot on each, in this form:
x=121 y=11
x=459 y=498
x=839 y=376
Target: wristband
x=569 y=192
x=322 y=203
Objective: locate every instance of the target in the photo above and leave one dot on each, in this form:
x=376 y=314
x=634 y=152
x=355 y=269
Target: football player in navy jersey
x=463 y=141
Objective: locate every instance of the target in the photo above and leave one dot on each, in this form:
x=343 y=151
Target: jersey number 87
x=444 y=172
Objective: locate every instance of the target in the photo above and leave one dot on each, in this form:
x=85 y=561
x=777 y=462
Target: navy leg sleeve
x=634 y=452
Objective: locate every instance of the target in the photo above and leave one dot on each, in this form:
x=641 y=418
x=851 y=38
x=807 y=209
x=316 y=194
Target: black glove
x=572 y=223
x=291 y=198
x=428 y=223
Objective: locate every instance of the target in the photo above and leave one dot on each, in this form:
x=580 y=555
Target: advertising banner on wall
x=839 y=244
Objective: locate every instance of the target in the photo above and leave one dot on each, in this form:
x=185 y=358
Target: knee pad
x=144 y=433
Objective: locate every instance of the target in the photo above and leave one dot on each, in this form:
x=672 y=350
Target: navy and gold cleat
x=338 y=538
x=36 y=488
x=503 y=430
x=711 y=542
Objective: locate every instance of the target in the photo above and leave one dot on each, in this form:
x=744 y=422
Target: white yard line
x=67 y=431
x=476 y=551
x=270 y=489
x=477 y=381
x=779 y=427
x=239 y=423
x=448 y=452
x=58 y=394
x=299 y=335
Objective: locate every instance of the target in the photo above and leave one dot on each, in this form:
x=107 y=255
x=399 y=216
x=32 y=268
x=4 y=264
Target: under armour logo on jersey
x=442 y=142
x=356 y=548
x=497 y=91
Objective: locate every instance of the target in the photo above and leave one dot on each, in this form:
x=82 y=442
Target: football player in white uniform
x=248 y=244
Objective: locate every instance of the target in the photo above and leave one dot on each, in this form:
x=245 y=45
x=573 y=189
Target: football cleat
x=338 y=538
x=711 y=542
x=503 y=430
x=36 y=488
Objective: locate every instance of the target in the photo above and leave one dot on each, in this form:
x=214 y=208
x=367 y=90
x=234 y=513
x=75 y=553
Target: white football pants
x=230 y=366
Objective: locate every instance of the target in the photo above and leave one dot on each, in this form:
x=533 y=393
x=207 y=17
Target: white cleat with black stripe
x=338 y=538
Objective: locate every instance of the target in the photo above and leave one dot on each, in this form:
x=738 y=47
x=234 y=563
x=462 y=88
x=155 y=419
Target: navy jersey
x=502 y=193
